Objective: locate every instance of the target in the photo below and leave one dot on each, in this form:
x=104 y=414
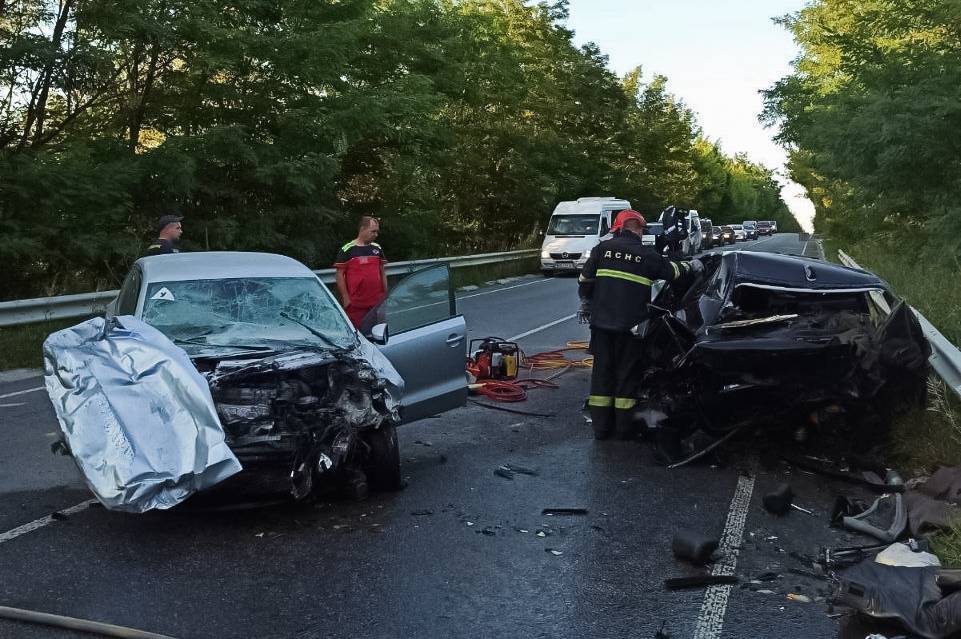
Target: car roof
x=793 y=271
x=214 y=265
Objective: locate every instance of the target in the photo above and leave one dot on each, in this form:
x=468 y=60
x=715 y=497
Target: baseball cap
x=167 y=219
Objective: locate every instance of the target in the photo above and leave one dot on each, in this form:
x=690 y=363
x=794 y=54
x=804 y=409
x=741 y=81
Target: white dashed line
x=541 y=328
x=23 y=392
x=711 y=620
x=43 y=521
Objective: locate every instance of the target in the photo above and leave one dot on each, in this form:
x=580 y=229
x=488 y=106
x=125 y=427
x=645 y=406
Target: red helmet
x=624 y=216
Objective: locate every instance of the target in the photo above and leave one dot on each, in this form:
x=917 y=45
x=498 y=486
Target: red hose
x=516 y=391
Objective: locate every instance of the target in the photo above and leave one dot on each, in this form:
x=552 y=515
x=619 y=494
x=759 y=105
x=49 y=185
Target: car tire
x=382 y=466
x=547 y=273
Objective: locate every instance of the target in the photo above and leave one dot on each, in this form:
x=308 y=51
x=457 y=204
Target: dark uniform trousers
x=611 y=401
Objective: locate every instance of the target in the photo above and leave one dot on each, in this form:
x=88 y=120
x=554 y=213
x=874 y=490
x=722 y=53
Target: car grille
x=565 y=256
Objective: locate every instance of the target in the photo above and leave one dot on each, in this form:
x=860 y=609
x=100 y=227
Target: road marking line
x=710 y=621
x=506 y=288
x=43 y=521
x=14 y=405
x=541 y=328
x=23 y=392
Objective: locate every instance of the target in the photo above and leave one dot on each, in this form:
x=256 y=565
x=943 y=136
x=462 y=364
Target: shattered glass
x=244 y=312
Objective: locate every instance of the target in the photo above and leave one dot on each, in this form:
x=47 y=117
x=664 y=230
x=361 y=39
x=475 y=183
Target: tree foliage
x=273 y=124
x=871 y=116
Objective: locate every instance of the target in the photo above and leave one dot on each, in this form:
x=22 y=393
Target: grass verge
x=22 y=346
x=947 y=546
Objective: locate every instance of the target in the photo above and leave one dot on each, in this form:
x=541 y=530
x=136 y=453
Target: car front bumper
x=562 y=265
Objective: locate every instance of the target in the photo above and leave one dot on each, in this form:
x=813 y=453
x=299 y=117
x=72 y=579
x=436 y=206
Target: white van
x=574 y=229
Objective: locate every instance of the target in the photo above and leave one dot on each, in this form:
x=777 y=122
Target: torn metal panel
x=911 y=596
x=136 y=415
x=761 y=336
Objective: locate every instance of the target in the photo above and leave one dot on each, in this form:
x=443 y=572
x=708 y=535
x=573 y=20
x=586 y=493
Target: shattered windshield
x=267 y=312
x=573 y=225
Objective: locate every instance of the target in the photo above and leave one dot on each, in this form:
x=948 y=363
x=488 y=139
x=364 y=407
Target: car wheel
x=383 y=459
x=548 y=273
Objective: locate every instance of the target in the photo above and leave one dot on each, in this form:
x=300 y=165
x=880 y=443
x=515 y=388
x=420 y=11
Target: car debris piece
x=793 y=596
x=693 y=546
x=564 y=511
x=143 y=445
x=766 y=338
x=911 y=596
x=803 y=510
x=899 y=554
x=859 y=523
x=701 y=581
x=778 y=502
x=504 y=471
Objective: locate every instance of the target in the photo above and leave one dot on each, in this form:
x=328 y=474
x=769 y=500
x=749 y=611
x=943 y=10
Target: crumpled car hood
x=136 y=415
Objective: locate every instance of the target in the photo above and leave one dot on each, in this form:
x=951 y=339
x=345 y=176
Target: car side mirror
x=379 y=334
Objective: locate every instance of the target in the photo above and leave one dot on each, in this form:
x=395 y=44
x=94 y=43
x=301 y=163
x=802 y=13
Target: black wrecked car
x=778 y=340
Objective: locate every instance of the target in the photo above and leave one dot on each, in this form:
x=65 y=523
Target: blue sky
x=716 y=55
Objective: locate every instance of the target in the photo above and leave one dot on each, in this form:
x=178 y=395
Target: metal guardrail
x=945 y=356
x=84 y=304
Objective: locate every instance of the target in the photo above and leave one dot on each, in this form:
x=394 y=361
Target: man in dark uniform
x=361 y=276
x=615 y=289
x=169 y=230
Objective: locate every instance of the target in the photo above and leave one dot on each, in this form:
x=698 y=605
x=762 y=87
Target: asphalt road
x=459 y=552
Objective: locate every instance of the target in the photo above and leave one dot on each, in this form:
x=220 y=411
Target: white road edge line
x=710 y=622
x=23 y=392
x=43 y=521
x=542 y=328
x=506 y=288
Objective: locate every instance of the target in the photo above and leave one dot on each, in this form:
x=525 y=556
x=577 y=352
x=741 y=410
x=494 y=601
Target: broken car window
x=246 y=311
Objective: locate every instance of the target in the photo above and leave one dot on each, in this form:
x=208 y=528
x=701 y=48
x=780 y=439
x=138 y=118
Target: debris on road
x=694 y=546
x=899 y=554
x=564 y=511
x=934 y=504
x=924 y=600
x=899 y=519
x=778 y=502
x=792 y=596
x=556 y=553
x=504 y=471
x=422 y=513
x=507 y=471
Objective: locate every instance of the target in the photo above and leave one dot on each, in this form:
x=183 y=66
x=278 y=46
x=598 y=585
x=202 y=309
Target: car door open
x=426 y=343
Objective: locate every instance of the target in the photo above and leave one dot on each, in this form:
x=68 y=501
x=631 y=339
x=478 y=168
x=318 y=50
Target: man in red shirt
x=361 y=278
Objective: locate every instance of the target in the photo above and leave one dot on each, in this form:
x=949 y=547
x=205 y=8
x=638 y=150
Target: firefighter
x=675 y=224
x=615 y=289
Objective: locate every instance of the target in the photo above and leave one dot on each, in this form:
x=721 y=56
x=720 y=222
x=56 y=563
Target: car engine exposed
x=308 y=410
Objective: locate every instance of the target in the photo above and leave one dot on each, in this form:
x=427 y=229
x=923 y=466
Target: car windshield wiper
x=313 y=330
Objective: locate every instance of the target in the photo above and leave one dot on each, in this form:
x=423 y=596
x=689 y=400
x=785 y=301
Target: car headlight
x=545 y=255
